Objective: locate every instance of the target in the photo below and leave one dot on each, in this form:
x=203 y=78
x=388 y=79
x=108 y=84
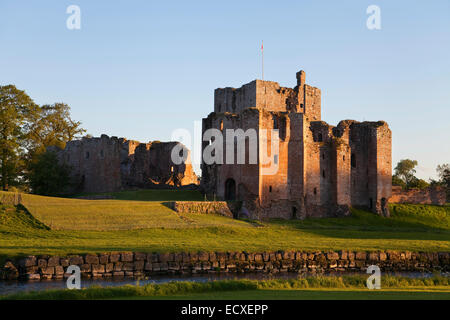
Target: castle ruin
x=323 y=170
x=111 y=164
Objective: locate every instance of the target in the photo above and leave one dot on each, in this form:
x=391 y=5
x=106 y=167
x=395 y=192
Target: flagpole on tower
x=262 y=56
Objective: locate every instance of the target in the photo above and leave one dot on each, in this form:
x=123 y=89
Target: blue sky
x=141 y=69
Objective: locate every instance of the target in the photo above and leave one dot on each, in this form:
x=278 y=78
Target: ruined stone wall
x=431 y=195
x=110 y=164
x=95 y=163
x=140 y=264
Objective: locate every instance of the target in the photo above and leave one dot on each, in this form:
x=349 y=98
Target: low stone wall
x=137 y=264
x=207 y=207
x=430 y=195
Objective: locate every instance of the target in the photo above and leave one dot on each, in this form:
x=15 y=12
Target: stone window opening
x=220 y=107
x=275 y=159
x=102 y=154
x=323 y=156
x=87 y=154
x=353 y=160
x=282 y=129
x=275 y=123
x=323 y=173
x=315 y=190
x=320 y=137
x=343 y=158
x=370 y=203
x=270 y=188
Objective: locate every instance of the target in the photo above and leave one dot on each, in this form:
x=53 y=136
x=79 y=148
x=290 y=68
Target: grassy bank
x=346 y=287
x=64 y=226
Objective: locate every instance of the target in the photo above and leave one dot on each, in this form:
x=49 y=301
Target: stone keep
x=322 y=169
x=111 y=164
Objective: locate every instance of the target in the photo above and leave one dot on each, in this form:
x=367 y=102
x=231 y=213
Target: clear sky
x=141 y=69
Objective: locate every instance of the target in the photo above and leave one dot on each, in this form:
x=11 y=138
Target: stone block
x=76 y=260
x=126 y=257
x=139 y=256
x=103 y=259
x=91 y=259
x=114 y=257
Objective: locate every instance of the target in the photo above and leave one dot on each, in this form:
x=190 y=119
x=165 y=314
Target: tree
x=443 y=172
x=47 y=175
x=419 y=183
x=52 y=126
x=396 y=181
x=16 y=110
x=405 y=171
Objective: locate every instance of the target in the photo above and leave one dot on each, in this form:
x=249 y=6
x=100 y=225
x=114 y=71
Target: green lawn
x=313 y=294
x=63 y=226
x=319 y=287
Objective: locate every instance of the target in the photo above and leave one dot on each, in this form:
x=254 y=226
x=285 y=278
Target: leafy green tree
x=396 y=181
x=419 y=184
x=52 y=126
x=48 y=176
x=16 y=110
x=443 y=172
x=405 y=171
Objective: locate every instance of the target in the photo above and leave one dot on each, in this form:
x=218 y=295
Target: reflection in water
x=9 y=287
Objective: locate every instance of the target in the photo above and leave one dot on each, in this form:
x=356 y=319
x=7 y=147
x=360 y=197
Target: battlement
x=270 y=96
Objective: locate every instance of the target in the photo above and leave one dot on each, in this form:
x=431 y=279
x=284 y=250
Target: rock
x=91 y=259
x=76 y=260
x=139 y=265
x=114 y=257
x=126 y=256
x=33 y=276
x=139 y=256
x=42 y=263
x=29 y=261
x=59 y=270
x=109 y=267
x=47 y=270
x=85 y=268
x=360 y=256
x=53 y=261
x=64 y=262
x=332 y=256
x=203 y=256
x=104 y=259
x=98 y=268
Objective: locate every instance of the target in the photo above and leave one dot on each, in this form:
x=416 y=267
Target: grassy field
x=64 y=226
x=319 y=287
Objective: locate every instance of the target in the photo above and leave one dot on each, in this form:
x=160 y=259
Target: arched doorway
x=230 y=189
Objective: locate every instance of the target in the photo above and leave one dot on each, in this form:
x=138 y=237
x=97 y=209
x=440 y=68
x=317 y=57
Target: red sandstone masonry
x=430 y=195
x=138 y=264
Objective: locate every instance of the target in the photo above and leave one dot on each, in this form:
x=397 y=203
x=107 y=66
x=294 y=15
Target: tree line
x=404 y=176
x=26 y=131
